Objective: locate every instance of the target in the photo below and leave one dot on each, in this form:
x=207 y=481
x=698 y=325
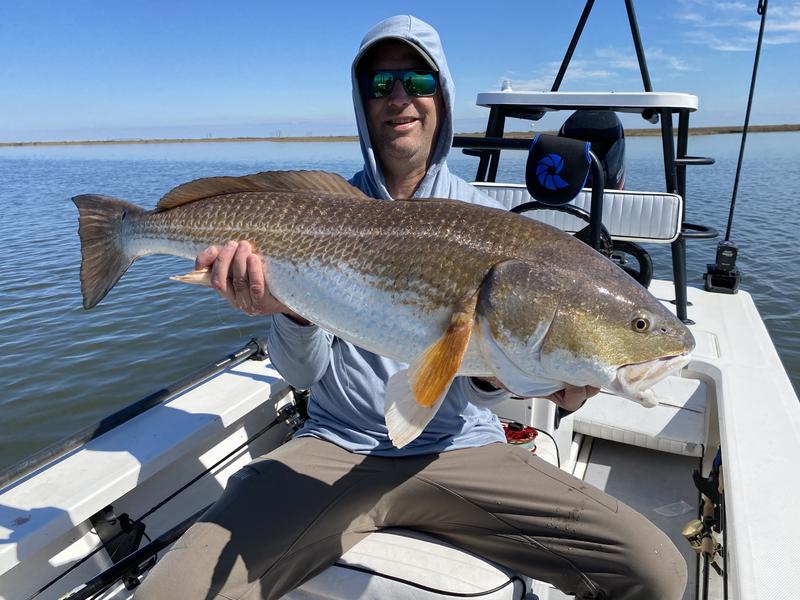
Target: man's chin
x=402 y=148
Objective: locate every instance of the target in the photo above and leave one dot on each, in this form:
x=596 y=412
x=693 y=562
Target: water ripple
x=64 y=367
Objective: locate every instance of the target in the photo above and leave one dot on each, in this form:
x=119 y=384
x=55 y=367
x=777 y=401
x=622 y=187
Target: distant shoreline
x=655 y=131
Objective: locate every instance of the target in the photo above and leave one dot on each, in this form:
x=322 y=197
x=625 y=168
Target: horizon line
x=713 y=130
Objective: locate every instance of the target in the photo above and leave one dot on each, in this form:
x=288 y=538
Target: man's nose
x=398 y=94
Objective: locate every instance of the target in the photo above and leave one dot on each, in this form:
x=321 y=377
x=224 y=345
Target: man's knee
x=656 y=566
x=192 y=567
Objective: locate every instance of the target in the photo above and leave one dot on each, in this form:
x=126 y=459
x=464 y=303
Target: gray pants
x=290 y=514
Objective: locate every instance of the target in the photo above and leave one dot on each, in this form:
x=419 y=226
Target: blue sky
x=111 y=69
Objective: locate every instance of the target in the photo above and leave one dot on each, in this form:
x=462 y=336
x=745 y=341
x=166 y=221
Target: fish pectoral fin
x=202 y=277
x=432 y=371
x=414 y=395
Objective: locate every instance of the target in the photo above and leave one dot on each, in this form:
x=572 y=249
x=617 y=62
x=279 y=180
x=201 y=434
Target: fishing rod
x=254 y=349
x=128 y=565
x=762 y=10
x=135 y=563
x=292 y=414
x=723 y=276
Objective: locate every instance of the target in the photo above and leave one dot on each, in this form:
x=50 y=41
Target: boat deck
x=656 y=484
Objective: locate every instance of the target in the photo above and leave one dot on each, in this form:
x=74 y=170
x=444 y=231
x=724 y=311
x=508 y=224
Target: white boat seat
x=410 y=556
x=677 y=426
x=651 y=217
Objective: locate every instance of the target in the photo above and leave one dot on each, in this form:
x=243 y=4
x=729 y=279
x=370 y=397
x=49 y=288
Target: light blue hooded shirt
x=347 y=383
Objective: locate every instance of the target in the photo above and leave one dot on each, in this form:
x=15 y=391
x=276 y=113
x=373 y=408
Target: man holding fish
x=441 y=466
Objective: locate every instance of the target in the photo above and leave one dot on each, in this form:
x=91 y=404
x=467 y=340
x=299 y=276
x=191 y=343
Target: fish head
x=610 y=332
x=544 y=326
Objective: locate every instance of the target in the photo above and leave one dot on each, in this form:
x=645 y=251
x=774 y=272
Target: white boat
x=87 y=518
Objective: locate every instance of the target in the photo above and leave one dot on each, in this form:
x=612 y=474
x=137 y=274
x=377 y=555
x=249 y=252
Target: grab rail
x=253 y=349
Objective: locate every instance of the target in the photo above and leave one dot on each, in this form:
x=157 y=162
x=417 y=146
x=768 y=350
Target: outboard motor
x=603 y=129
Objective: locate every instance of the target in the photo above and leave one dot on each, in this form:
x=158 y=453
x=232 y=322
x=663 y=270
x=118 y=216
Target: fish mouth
x=634 y=380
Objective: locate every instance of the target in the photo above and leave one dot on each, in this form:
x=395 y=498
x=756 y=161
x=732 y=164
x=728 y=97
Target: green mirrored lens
x=381 y=84
x=420 y=84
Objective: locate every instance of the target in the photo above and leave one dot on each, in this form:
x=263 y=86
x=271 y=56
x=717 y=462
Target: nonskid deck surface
x=656 y=484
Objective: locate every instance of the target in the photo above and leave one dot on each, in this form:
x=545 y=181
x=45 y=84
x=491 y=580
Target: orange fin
x=202 y=277
x=414 y=395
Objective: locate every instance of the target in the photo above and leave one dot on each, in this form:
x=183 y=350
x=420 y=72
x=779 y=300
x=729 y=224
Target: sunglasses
x=416 y=82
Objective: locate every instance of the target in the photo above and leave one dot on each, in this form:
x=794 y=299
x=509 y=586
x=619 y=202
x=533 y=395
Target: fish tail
x=101 y=229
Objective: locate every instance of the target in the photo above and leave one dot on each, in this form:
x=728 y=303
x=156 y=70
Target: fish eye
x=641 y=324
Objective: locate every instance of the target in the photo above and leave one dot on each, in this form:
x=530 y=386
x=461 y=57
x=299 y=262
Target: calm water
x=62 y=368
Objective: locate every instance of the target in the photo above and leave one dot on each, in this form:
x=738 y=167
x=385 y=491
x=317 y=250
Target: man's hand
x=238 y=275
x=572 y=397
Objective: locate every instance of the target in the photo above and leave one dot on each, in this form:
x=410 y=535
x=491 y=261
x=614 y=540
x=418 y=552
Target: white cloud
x=540 y=84
x=692 y=17
x=587 y=69
x=730 y=43
x=790 y=26
x=673 y=62
x=779 y=40
x=731 y=6
x=722 y=26
x=609 y=64
x=616 y=59
x=732 y=19
x=717 y=6
x=783 y=25
x=786 y=12
x=578 y=70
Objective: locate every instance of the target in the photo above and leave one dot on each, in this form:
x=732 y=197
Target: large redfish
x=448 y=287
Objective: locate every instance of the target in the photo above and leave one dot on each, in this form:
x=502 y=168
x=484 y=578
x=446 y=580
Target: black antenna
x=762 y=10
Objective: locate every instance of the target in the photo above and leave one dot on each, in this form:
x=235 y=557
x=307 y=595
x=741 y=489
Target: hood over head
x=425 y=39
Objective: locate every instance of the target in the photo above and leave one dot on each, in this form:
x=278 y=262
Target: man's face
x=402 y=127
